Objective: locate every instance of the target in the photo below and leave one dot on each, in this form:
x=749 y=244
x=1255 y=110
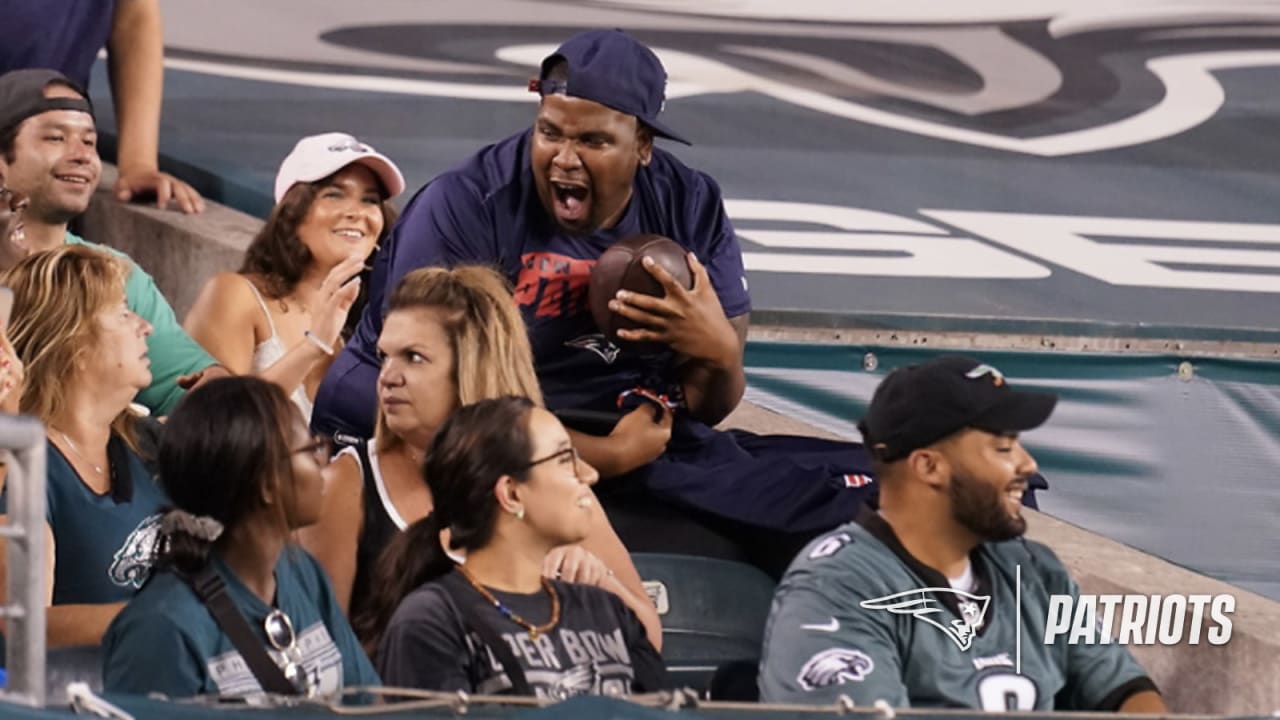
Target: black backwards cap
x=918 y=405
x=22 y=96
x=614 y=69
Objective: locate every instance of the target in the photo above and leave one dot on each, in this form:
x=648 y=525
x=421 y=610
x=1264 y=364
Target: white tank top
x=269 y=351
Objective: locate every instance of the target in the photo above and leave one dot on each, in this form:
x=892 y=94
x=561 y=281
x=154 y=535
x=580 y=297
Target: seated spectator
x=920 y=604
x=452 y=337
x=243 y=473
x=542 y=205
x=85 y=354
x=12 y=235
x=67 y=35
x=48 y=152
x=281 y=316
x=508 y=487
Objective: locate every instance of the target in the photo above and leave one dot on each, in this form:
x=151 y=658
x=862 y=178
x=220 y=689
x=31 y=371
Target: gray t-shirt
x=599 y=647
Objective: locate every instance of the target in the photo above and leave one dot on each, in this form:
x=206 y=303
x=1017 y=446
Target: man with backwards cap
x=49 y=153
x=543 y=205
x=916 y=604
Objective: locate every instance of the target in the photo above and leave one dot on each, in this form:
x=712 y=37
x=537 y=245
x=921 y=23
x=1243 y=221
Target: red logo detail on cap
x=535 y=85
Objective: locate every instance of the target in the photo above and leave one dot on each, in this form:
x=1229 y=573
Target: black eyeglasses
x=279 y=629
x=320 y=448
x=571 y=451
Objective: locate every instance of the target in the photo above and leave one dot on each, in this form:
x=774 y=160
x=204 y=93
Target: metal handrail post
x=24 y=437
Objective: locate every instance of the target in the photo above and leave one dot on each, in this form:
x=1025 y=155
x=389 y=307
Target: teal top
x=165 y=641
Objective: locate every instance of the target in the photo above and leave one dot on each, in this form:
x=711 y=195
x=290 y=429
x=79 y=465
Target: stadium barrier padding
x=1127 y=412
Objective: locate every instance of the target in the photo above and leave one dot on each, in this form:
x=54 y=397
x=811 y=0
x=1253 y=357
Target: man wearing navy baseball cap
x=542 y=205
x=923 y=603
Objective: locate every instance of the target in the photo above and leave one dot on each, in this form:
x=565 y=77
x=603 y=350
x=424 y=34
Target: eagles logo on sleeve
x=836 y=666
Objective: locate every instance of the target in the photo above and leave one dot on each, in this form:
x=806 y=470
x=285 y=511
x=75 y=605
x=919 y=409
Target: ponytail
x=185 y=542
x=412 y=558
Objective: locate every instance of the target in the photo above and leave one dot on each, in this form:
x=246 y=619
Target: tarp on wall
x=1175 y=456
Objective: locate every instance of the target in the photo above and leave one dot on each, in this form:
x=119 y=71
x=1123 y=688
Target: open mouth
x=570 y=200
x=350 y=235
x=74 y=179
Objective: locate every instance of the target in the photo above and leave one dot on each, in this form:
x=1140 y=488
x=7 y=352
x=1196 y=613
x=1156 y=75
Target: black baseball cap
x=918 y=405
x=614 y=69
x=22 y=95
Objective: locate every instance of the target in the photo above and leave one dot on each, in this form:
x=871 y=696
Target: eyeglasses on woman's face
x=280 y=634
x=320 y=448
x=12 y=200
x=569 y=454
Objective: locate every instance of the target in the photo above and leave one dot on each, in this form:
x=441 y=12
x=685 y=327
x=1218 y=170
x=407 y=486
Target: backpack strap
x=458 y=591
x=212 y=591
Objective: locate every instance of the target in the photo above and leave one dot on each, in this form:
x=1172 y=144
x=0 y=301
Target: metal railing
x=23 y=438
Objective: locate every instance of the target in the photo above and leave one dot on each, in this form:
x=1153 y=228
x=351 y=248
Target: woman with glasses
x=243 y=474
x=12 y=249
x=451 y=337
x=85 y=358
x=285 y=313
x=508 y=488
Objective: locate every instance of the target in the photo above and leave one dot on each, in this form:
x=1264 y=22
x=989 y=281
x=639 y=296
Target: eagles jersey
x=857 y=615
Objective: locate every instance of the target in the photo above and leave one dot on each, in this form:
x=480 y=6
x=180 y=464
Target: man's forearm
x=712 y=391
x=135 y=60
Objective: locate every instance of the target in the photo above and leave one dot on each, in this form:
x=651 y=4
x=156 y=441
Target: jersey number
x=1006 y=691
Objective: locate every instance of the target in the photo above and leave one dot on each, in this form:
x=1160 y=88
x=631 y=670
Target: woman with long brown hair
x=284 y=314
x=509 y=488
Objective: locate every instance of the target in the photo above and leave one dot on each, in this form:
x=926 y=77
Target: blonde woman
x=282 y=316
x=452 y=337
x=85 y=354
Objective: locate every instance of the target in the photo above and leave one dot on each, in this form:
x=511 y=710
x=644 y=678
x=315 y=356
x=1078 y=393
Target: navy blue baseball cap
x=918 y=405
x=614 y=69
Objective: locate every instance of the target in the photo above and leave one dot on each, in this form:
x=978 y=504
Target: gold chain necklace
x=534 y=630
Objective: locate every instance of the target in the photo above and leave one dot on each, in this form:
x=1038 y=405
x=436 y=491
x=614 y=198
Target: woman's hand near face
x=337 y=293
x=570 y=563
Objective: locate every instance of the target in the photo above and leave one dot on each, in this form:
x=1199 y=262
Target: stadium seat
x=713 y=614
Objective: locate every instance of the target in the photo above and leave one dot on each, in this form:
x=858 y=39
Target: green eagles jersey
x=856 y=615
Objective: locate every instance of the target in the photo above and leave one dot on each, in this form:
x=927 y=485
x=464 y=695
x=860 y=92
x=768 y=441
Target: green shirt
x=166 y=641
x=172 y=352
x=831 y=632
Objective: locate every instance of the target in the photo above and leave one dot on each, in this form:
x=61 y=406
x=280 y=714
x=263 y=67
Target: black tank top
x=376 y=531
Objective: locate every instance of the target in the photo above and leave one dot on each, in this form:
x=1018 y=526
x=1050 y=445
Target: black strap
x=212 y=591
x=458 y=589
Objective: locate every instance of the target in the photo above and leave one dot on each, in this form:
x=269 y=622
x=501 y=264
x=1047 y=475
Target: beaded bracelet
x=324 y=347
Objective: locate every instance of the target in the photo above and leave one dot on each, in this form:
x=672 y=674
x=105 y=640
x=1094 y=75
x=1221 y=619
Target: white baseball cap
x=319 y=156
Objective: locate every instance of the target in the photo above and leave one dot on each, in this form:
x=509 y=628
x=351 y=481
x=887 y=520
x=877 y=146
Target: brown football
x=621 y=268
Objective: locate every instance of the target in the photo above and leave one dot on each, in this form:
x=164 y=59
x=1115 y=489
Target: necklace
x=71 y=444
x=534 y=630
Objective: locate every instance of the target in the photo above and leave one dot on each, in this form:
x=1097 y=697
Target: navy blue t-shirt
x=487 y=211
x=62 y=35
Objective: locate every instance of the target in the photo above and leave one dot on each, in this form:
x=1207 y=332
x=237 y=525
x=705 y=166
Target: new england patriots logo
x=917 y=603
x=580 y=680
x=598 y=344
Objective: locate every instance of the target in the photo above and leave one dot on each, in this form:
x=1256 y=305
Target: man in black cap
x=918 y=604
x=49 y=153
x=542 y=205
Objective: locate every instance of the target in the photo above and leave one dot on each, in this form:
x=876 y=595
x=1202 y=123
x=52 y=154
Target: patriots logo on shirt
x=598 y=344
x=918 y=604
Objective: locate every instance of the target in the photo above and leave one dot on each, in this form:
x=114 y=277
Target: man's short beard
x=980 y=508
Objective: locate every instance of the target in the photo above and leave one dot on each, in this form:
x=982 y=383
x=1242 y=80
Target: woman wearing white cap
x=283 y=315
